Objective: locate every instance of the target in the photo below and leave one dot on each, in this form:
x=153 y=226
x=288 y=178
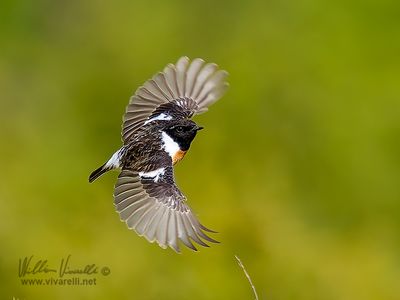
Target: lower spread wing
x=152 y=205
x=191 y=85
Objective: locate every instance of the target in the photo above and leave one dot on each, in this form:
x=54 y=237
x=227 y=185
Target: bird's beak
x=199 y=128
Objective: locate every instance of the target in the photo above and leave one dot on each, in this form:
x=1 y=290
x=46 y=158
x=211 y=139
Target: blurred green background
x=298 y=167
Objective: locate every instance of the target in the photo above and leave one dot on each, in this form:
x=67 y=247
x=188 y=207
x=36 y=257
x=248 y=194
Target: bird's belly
x=178 y=155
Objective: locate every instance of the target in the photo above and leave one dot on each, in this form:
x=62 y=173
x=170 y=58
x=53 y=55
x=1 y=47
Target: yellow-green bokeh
x=298 y=166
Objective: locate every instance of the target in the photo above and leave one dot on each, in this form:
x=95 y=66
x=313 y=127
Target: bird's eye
x=179 y=129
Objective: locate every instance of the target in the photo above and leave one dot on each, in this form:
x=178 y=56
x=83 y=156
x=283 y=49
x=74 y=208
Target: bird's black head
x=182 y=132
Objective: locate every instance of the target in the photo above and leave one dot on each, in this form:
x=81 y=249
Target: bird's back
x=144 y=152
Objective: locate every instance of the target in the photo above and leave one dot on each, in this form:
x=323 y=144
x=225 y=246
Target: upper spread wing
x=192 y=86
x=153 y=206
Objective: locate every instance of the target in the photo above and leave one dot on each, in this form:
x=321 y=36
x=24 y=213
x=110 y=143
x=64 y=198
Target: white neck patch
x=170 y=146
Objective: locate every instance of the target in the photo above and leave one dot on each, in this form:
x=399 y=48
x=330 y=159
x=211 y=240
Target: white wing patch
x=170 y=146
x=162 y=117
x=153 y=174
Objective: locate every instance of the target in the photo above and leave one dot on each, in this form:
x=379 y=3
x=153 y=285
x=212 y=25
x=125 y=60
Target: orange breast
x=178 y=156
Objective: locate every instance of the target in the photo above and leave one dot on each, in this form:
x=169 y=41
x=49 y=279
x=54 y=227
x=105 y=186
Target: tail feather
x=112 y=163
x=98 y=172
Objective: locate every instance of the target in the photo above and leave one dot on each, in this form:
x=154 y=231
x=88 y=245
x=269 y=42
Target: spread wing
x=189 y=86
x=152 y=205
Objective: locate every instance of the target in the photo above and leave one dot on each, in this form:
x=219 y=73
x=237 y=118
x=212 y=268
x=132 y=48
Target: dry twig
x=248 y=276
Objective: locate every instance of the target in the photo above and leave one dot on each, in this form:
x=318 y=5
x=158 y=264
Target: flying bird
x=157 y=131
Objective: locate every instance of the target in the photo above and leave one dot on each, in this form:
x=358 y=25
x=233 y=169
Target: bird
x=157 y=132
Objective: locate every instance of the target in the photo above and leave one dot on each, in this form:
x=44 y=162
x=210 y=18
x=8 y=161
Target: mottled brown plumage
x=145 y=153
